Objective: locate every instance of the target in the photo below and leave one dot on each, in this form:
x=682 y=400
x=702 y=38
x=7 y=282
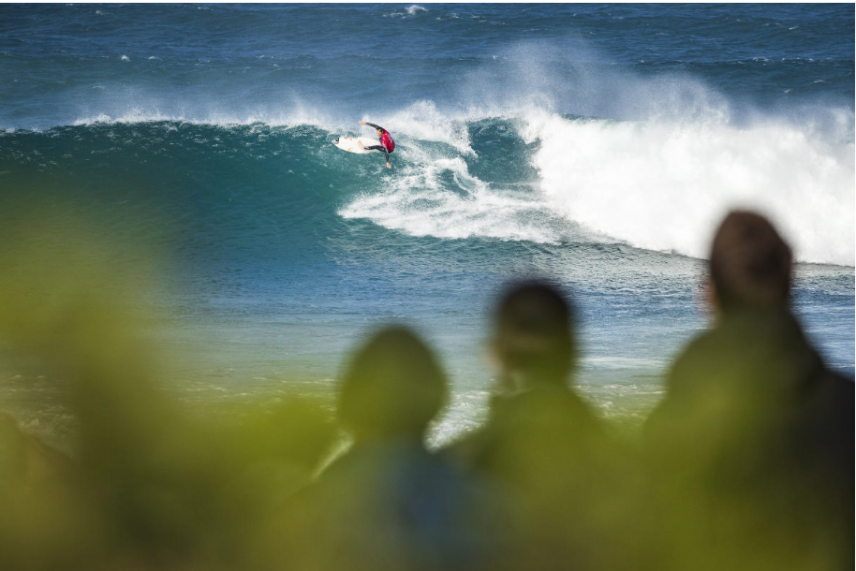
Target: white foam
x=410 y=11
x=664 y=185
x=417 y=203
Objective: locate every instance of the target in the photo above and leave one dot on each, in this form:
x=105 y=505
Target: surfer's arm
x=372 y=125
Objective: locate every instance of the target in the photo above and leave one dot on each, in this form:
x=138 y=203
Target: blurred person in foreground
x=570 y=483
x=752 y=446
x=387 y=502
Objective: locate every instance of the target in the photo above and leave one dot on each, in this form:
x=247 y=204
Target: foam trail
x=665 y=185
x=438 y=197
x=434 y=194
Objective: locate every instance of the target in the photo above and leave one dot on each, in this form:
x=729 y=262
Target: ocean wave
x=659 y=184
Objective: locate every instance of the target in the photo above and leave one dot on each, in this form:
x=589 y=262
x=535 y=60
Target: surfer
x=387 y=145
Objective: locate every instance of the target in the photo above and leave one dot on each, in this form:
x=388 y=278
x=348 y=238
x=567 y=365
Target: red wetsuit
x=387 y=145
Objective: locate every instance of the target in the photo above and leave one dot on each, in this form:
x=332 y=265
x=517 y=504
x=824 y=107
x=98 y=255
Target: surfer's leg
x=381 y=149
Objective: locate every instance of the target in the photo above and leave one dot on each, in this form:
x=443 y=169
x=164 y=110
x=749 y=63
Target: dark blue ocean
x=597 y=144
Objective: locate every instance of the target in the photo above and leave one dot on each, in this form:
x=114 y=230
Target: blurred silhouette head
x=533 y=334
x=750 y=264
x=393 y=386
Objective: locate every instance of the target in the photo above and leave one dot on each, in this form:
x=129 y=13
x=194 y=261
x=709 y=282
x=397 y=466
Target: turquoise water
x=596 y=144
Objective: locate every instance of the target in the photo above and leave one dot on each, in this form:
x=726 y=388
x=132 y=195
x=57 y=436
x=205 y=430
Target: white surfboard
x=349 y=144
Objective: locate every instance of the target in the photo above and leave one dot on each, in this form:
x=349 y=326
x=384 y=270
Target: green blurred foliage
x=153 y=486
